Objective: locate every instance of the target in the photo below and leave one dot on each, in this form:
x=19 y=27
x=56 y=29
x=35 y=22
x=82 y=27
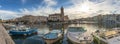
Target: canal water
x=45 y=28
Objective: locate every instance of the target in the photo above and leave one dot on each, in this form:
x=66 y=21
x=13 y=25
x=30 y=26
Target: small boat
x=53 y=36
x=9 y=26
x=107 y=36
x=78 y=35
x=22 y=31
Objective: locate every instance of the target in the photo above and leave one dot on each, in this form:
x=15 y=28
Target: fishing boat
x=107 y=36
x=22 y=31
x=53 y=36
x=78 y=35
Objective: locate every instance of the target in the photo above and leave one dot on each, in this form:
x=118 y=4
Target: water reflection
x=34 y=40
x=19 y=39
x=46 y=28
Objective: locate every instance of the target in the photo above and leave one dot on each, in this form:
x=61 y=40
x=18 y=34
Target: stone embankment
x=4 y=36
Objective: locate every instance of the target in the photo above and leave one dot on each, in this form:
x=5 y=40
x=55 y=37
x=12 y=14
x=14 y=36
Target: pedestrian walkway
x=4 y=36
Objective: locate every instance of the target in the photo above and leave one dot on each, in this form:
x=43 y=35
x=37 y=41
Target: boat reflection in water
x=77 y=35
x=34 y=40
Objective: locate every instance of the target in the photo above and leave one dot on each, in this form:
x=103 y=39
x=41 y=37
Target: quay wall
x=4 y=36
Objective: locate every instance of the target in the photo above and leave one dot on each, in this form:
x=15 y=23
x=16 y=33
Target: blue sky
x=73 y=8
x=15 y=5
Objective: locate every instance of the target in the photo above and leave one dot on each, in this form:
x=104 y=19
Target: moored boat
x=53 y=36
x=22 y=31
x=107 y=36
x=78 y=35
x=9 y=26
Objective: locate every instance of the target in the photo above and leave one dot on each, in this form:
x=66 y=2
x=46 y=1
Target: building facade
x=58 y=16
x=30 y=19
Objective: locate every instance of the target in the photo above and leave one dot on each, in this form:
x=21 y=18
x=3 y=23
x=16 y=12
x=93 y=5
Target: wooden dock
x=4 y=36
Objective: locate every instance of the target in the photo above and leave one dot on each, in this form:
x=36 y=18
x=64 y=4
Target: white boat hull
x=71 y=38
x=51 y=41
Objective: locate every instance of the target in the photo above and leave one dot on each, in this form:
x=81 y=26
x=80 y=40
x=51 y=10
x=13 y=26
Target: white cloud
x=43 y=11
x=74 y=11
x=23 y=1
x=104 y=6
x=50 y=2
x=4 y=14
x=39 y=12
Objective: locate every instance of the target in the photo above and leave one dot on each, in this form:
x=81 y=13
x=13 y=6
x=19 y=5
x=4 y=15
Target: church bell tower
x=62 y=13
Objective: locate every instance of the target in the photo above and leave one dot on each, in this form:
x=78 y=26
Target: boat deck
x=115 y=40
x=79 y=38
x=110 y=37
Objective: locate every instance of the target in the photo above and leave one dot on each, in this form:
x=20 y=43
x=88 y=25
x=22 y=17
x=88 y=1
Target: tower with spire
x=58 y=16
x=62 y=13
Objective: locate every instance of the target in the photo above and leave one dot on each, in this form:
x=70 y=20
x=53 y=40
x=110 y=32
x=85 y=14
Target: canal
x=45 y=28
